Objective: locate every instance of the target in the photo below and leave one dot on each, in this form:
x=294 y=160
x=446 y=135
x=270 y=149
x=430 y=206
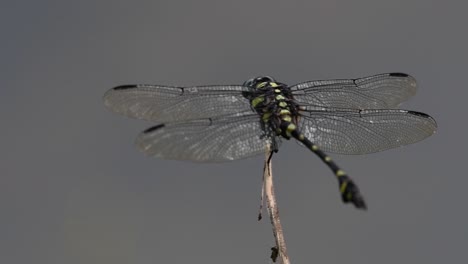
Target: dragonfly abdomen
x=348 y=189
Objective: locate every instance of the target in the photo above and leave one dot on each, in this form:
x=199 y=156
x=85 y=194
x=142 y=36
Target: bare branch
x=280 y=249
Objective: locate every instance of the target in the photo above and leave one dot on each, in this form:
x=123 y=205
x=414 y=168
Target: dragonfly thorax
x=274 y=102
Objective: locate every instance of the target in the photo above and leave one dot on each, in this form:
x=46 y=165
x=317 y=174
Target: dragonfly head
x=259 y=82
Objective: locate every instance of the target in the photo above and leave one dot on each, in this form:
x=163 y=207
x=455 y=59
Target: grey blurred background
x=74 y=189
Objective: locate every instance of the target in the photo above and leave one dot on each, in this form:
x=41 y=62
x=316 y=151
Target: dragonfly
x=217 y=123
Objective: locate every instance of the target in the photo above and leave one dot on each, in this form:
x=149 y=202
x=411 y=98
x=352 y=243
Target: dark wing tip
x=426 y=116
x=153 y=128
x=398 y=74
x=420 y=114
x=125 y=87
x=108 y=96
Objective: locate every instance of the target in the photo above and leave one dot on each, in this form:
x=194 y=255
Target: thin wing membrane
x=367 y=131
x=172 y=104
x=382 y=91
x=206 y=140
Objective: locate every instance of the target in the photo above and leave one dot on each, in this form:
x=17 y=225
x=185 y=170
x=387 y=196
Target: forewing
x=367 y=131
x=381 y=91
x=206 y=140
x=171 y=104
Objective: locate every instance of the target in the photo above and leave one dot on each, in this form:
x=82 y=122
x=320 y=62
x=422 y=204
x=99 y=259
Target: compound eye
x=267 y=79
x=254 y=82
x=250 y=82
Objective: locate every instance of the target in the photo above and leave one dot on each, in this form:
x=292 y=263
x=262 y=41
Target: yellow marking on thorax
x=257 y=100
x=261 y=85
x=291 y=127
x=273 y=84
x=283 y=104
x=284 y=112
x=277 y=91
x=286 y=118
x=266 y=116
x=279 y=97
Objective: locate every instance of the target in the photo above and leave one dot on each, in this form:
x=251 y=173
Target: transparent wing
x=206 y=140
x=360 y=132
x=169 y=104
x=381 y=91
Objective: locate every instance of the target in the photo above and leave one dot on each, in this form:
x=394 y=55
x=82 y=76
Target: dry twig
x=280 y=249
